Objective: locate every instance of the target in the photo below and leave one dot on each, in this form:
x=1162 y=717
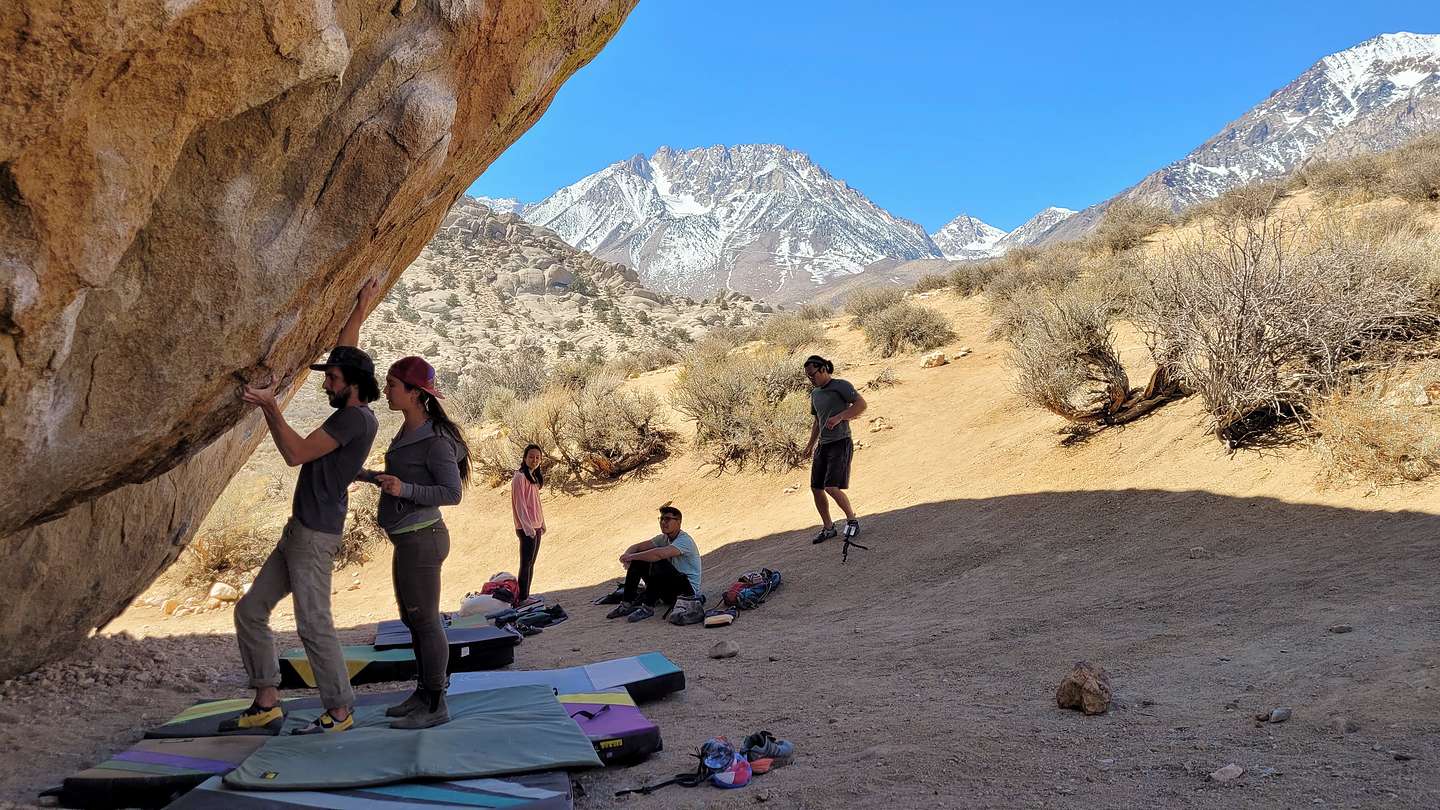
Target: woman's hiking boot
x=431 y=712
x=825 y=534
x=415 y=701
x=256 y=716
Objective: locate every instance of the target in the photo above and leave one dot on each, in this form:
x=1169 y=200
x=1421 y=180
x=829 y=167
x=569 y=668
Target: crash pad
x=152 y=772
x=491 y=733
x=531 y=791
x=472 y=649
x=393 y=634
x=614 y=724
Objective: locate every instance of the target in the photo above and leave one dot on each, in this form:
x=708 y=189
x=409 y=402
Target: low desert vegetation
x=866 y=302
x=814 y=312
x=1367 y=436
x=792 y=332
x=1410 y=172
x=750 y=408
x=931 y=281
x=1127 y=224
x=906 y=327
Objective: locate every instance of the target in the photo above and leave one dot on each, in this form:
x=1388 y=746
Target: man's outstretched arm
x=294 y=448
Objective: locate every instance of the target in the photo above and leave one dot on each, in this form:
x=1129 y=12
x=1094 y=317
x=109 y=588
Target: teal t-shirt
x=688 y=561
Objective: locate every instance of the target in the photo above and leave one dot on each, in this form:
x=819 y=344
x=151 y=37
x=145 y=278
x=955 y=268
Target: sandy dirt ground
x=923 y=672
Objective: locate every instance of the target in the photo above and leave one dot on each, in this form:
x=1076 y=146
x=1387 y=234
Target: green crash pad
x=491 y=733
x=531 y=791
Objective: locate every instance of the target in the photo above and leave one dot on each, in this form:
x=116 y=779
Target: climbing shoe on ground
x=326 y=724
x=432 y=712
x=825 y=534
x=415 y=701
x=622 y=609
x=852 y=529
x=722 y=617
x=256 y=716
x=640 y=614
x=765 y=752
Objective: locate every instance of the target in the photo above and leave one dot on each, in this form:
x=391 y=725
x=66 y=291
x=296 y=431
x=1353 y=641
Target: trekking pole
x=845 y=549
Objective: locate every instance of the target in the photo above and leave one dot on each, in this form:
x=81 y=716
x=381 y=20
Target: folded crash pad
x=492 y=733
x=614 y=725
x=152 y=772
x=392 y=633
x=531 y=791
x=646 y=677
x=473 y=649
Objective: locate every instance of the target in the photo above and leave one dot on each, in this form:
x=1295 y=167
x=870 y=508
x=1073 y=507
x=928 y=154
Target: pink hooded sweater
x=525 y=502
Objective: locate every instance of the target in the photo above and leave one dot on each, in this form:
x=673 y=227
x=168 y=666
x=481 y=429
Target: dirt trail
x=922 y=674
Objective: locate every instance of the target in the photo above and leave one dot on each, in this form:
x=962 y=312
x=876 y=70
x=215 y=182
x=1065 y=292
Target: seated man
x=668 y=564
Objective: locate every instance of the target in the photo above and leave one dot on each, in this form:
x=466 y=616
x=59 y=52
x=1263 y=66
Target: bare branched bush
x=971 y=278
x=1381 y=222
x=1259 y=322
x=749 y=409
x=1050 y=268
x=1246 y=202
x=863 y=303
x=362 y=534
x=633 y=363
x=588 y=434
x=717 y=343
x=931 y=281
x=1367 y=439
x=1416 y=173
x=1410 y=172
x=228 y=544
x=884 y=378
x=906 y=327
x=815 y=312
x=1127 y=224
x=1063 y=350
x=792 y=332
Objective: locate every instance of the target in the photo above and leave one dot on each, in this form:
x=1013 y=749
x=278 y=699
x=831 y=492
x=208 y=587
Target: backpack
x=752 y=589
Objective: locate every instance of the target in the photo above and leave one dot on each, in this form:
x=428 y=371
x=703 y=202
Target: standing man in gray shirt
x=301 y=564
x=833 y=403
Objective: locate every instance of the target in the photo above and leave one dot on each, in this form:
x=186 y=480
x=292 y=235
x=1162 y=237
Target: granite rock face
x=191 y=193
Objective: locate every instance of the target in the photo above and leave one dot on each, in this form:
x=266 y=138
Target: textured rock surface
x=1086 y=688
x=190 y=195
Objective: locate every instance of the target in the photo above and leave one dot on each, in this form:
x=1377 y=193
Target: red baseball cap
x=416 y=373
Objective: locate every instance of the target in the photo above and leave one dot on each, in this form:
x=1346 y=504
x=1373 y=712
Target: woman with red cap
x=425 y=468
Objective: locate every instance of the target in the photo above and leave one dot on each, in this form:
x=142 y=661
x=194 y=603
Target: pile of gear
x=724 y=766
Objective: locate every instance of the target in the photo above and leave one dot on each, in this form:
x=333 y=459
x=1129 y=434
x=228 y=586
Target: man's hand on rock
x=263 y=397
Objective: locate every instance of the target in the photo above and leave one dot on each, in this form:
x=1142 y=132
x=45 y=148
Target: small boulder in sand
x=1086 y=688
x=933 y=359
x=724 y=649
x=170 y=606
x=224 y=591
x=1227 y=774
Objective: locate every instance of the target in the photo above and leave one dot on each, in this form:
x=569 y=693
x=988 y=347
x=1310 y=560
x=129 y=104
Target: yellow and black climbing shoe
x=326 y=724
x=254 y=718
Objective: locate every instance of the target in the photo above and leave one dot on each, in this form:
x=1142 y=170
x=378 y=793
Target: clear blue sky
x=933 y=108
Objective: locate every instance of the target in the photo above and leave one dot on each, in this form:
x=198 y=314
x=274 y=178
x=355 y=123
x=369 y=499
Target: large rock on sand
x=1086 y=688
x=191 y=193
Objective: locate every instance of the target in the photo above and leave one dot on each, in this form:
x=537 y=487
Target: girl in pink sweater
x=529 y=520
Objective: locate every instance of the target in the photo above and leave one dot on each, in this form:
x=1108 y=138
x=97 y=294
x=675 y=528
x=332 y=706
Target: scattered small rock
x=1422 y=398
x=964 y=350
x=1228 y=774
x=724 y=649
x=789 y=490
x=1340 y=628
x=880 y=423
x=1402 y=756
x=1280 y=714
x=933 y=359
x=224 y=591
x=354 y=586
x=1344 y=725
x=1086 y=688
x=170 y=606
x=212 y=604
x=1199 y=553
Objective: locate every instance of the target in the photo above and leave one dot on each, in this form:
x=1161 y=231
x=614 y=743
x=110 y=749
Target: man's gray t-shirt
x=322 y=493
x=828 y=400
x=688 y=561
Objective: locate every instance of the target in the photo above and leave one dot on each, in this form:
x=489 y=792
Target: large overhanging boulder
x=191 y=193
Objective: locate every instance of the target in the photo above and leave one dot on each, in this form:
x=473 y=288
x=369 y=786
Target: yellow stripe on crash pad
x=210 y=709
x=620 y=698
x=307 y=673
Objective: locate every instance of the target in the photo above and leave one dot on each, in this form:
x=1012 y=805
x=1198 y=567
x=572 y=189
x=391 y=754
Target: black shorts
x=831 y=465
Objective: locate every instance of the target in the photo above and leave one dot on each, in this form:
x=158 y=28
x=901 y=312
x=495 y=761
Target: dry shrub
x=229 y=543
x=1246 y=202
x=863 y=303
x=1050 y=268
x=718 y=343
x=748 y=408
x=1259 y=321
x=815 y=312
x=1417 y=260
x=1367 y=439
x=1063 y=350
x=1381 y=222
x=931 y=281
x=1355 y=179
x=630 y=364
x=884 y=378
x=1415 y=170
x=971 y=278
x=589 y=434
x=906 y=327
x=1127 y=224
x=792 y=332
x=362 y=533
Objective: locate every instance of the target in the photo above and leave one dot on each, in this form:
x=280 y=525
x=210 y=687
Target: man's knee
x=251 y=611
x=834 y=492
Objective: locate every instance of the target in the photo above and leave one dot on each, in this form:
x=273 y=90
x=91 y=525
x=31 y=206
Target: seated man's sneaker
x=256 y=716
x=622 y=609
x=640 y=614
x=327 y=724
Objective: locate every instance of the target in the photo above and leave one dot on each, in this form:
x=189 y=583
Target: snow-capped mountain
x=757 y=218
x=1373 y=96
x=1034 y=228
x=966 y=237
x=501 y=205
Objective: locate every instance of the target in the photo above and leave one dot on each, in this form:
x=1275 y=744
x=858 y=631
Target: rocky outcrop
x=190 y=196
